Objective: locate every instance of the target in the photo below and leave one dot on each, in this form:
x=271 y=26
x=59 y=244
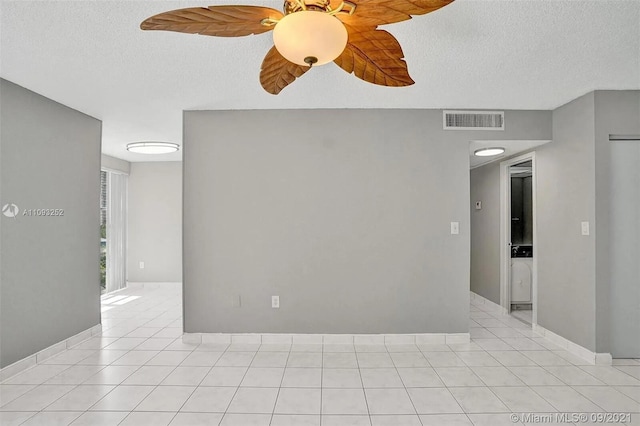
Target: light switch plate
x=455 y=228
x=275 y=302
x=585 y=228
x=141 y=265
x=478 y=205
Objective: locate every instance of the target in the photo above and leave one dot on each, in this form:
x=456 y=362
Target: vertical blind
x=116 y=231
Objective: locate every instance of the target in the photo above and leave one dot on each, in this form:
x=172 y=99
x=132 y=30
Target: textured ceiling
x=516 y=54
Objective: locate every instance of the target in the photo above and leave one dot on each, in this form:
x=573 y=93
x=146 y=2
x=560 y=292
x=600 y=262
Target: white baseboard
x=476 y=299
x=358 y=339
x=604 y=359
x=46 y=353
x=573 y=348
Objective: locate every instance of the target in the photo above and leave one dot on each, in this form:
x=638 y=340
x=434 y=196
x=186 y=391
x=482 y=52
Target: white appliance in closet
x=521 y=278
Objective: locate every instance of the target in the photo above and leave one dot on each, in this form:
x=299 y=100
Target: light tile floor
x=140 y=373
x=525 y=315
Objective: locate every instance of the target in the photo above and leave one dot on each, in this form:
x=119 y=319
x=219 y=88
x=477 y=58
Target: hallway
x=140 y=373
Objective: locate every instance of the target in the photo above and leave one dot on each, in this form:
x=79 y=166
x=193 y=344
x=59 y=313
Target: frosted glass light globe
x=488 y=152
x=310 y=34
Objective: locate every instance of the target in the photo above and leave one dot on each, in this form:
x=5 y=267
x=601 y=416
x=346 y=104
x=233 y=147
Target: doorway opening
x=518 y=251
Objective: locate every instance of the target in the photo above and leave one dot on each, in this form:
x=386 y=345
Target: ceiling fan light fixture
x=310 y=37
x=152 y=147
x=488 y=152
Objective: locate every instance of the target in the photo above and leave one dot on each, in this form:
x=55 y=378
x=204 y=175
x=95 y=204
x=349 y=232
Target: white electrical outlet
x=585 y=228
x=141 y=265
x=455 y=228
x=275 y=302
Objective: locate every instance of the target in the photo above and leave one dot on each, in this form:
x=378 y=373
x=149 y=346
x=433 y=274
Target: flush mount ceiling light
x=488 y=152
x=311 y=32
x=152 y=147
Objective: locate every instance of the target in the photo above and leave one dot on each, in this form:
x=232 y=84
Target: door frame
x=505 y=234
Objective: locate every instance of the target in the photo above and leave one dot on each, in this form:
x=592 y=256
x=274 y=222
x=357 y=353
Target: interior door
x=624 y=229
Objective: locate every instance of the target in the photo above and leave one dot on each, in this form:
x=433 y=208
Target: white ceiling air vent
x=473 y=120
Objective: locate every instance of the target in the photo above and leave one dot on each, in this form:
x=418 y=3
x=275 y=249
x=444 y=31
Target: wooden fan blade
x=221 y=21
x=380 y=12
x=277 y=73
x=374 y=56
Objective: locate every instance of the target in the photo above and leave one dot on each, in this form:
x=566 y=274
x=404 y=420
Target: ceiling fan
x=311 y=32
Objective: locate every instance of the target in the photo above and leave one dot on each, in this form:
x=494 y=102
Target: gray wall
x=49 y=275
x=485 y=231
x=565 y=197
x=345 y=214
x=155 y=222
x=115 y=164
x=618 y=219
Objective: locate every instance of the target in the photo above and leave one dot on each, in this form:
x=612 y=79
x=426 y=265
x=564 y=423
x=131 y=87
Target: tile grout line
x=366 y=401
x=402 y=381
x=284 y=372
x=241 y=380
x=321 y=378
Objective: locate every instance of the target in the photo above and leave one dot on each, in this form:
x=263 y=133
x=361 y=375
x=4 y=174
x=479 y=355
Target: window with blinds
x=104 y=179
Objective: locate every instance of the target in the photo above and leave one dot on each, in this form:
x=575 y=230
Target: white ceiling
x=516 y=54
